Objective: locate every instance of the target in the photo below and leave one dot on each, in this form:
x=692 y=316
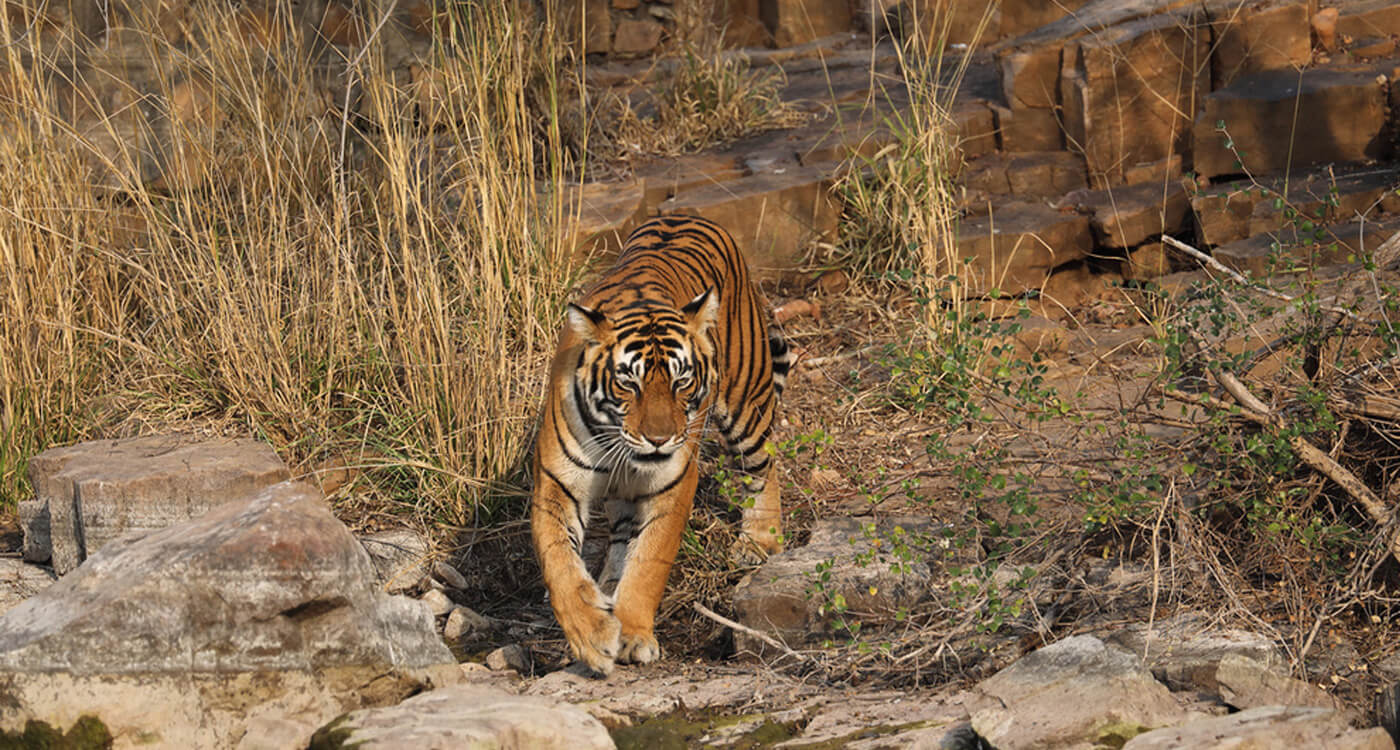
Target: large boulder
x=1185 y=651
x=1015 y=247
x=185 y=634
x=1073 y=693
x=88 y=494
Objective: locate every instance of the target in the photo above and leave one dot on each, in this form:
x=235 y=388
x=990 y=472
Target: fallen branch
x=1216 y=265
x=1316 y=458
x=771 y=641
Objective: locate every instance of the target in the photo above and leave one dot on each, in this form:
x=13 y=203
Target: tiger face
x=647 y=376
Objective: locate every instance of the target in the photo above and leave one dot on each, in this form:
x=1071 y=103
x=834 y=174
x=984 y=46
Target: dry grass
x=371 y=286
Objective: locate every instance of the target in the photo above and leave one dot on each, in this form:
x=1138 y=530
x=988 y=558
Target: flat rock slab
x=467 y=716
x=1016 y=246
x=1246 y=208
x=1338 y=114
x=88 y=494
x=1128 y=216
x=1041 y=174
x=273 y=582
x=1266 y=728
x=1072 y=693
x=847 y=557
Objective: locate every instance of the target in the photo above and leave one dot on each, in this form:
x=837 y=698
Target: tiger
x=674 y=337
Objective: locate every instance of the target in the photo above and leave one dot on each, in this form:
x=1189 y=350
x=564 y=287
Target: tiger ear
x=702 y=311
x=586 y=322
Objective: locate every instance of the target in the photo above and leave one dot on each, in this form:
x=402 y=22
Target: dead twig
x=771 y=641
x=1315 y=457
x=1216 y=265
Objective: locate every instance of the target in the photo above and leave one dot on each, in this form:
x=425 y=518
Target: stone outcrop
x=257 y=608
x=1185 y=652
x=1113 y=694
x=88 y=494
x=783 y=598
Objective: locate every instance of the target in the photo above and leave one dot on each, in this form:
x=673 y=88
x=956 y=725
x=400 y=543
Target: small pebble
x=437 y=602
x=509 y=657
x=449 y=575
x=463 y=623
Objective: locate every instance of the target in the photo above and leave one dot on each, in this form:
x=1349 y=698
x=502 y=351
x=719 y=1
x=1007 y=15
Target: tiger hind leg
x=761 y=523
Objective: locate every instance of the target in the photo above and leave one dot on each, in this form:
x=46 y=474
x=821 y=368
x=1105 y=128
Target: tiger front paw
x=594 y=638
x=639 y=648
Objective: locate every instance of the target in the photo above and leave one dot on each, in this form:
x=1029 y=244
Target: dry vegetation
x=360 y=290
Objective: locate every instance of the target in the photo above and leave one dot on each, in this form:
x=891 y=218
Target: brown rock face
x=1129 y=215
x=794 y=22
x=1015 y=248
x=1279 y=119
x=1129 y=92
x=636 y=37
x=1255 y=36
x=772 y=215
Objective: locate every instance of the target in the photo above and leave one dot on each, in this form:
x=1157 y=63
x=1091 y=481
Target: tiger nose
x=657 y=439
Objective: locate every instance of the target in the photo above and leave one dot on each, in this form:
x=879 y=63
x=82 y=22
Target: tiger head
x=645 y=374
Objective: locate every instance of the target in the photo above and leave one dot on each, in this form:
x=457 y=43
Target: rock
x=772 y=215
x=1113 y=694
x=1245 y=683
x=1257 y=35
x=1185 y=651
x=636 y=37
x=838 y=720
x=449 y=576
x=1129 y=93
x=790 y=595
x=264 y=607
x=1147 y=262
x=599 y=216
x=436 y=602
x=512 y=656
x=1015 y=248
x=19 y=581
x=1028 y=129
x=976 y=128
x=275 y=733
x=1030 y=77
x=1388 y=710
x=1363 y=19
x=466 y=716
x=794 y=22
x=1238 y=210
x=1034 y=175
x=465 y=624
x=1290 y=249
x=1345 y=110
x=1128 y=216
x=90 y=493
x=1324 y=26
x=400 y=558
x=1262 y=728
x=667 y=178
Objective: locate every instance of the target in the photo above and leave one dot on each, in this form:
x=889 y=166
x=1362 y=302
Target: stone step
x=1043 y=174
x=1238 y=210
x=1015 y=246
x=1292 y=249
x=1283 y=118
x=1130 y=215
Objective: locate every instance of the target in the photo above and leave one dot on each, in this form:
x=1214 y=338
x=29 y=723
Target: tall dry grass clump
x=901 y=207
x=364 y=272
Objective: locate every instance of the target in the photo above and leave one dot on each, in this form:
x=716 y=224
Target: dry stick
x=725 y=621
x=1316 y=458
x=1222 y=268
